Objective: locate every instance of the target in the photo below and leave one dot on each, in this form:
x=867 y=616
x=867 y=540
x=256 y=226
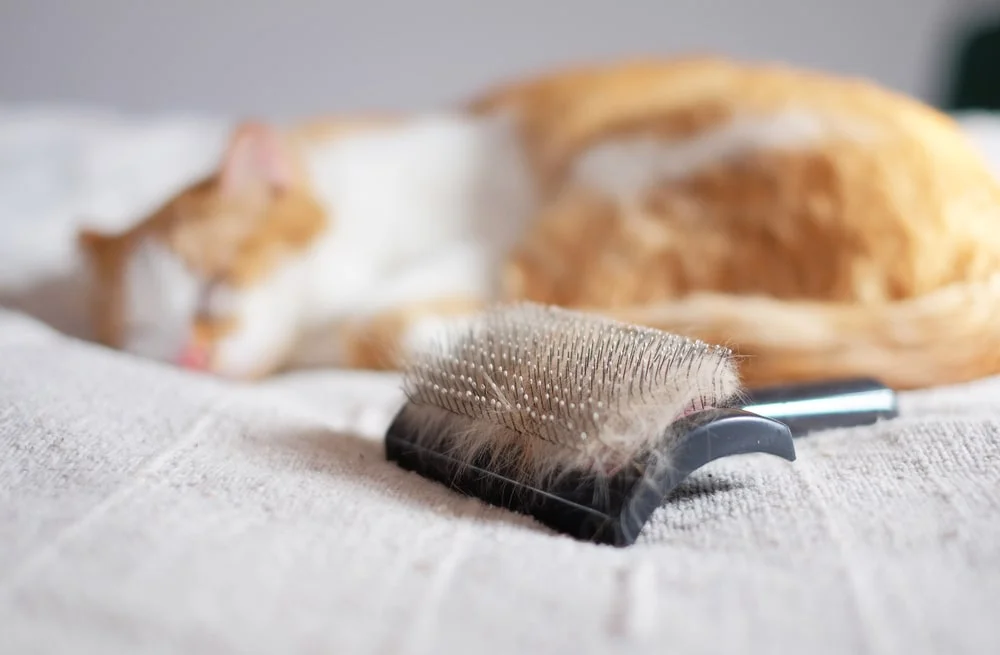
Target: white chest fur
x=424 y=209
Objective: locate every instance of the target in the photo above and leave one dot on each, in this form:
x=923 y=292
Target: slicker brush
x=585 y=423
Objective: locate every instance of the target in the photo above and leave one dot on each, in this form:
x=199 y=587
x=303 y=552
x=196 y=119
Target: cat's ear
x=99 y=251
x=92 y=242
x=256 y=157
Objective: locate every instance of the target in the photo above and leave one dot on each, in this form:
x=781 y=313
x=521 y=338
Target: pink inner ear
x=256 y=158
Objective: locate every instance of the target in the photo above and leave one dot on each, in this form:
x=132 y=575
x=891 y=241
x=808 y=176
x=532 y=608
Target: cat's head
x=210 y=280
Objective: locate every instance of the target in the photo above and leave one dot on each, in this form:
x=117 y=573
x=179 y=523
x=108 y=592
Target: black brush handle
x=611 y=510
x=824 y=405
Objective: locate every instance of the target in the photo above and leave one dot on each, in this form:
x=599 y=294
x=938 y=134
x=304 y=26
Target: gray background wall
x=299 y=56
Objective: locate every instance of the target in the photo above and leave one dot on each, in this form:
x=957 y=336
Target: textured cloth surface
x=148 y=510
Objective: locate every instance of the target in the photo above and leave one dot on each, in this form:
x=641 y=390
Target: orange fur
x=946 y=336
x=235 y=237
x=376 y=343
x=329 y=127
x=107 y=255
x=895 y=232
x=870 y=252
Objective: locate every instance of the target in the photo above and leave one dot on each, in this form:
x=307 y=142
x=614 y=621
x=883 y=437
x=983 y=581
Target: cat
x=820 y=225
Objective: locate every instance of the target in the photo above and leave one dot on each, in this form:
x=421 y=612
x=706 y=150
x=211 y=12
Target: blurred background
x=286 y=59
x=108 y=107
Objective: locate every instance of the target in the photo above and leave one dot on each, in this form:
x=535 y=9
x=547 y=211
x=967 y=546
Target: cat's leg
x=406 y=310
x=382 y=340
x=252 y=331
x=385 y=341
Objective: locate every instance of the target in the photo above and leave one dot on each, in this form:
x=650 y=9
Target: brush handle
x=814 y=406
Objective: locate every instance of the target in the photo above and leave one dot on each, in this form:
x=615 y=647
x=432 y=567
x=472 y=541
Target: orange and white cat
x=820 y=226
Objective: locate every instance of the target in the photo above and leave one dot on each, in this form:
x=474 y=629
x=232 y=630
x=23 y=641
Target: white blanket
x=148 y=510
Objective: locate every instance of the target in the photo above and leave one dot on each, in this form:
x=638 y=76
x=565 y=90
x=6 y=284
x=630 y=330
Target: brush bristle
x=540 y=390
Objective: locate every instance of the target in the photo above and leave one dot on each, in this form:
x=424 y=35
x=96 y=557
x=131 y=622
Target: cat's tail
x=951 y=335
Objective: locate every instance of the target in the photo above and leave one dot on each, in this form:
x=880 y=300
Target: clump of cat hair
x=537 y=390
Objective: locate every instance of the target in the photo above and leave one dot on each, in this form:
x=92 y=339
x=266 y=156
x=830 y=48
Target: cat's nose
x=193 y=356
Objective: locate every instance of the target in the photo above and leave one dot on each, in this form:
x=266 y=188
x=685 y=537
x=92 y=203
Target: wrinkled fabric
x=144 y=509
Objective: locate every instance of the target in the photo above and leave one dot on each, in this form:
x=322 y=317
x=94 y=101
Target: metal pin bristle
x=557 y=374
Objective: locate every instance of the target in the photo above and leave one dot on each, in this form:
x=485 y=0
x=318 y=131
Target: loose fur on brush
x=817 y=225
x=538 y=391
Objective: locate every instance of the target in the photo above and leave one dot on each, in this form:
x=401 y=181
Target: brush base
x=608 y=510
